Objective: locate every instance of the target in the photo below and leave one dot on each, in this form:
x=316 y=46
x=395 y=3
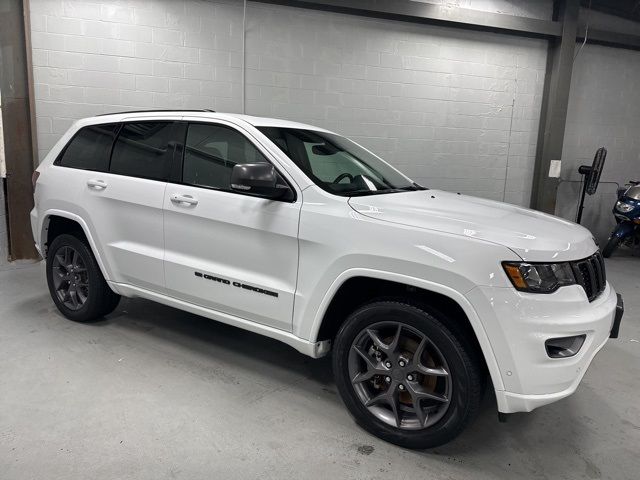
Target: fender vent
x=590 y=275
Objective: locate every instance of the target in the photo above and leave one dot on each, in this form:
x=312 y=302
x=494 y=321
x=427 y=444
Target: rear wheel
x=611 y=245
x=406 y=377
x=75 y=282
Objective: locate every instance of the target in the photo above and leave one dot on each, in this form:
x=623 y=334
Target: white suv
x=302 y=235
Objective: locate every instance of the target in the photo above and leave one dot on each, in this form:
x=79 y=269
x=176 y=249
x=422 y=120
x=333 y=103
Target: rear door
x=122 y=200
x=224 y=250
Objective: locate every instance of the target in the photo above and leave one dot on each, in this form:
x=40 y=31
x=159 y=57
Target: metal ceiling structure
x=628 y=9
x=452 y=16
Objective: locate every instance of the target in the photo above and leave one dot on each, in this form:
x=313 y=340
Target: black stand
x=584 y=170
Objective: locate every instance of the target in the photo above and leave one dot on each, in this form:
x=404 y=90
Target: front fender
x=623 y=229
x=449 y=292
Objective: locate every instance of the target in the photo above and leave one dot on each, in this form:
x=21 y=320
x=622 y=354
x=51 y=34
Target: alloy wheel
x=399 y=375
x=70 y=278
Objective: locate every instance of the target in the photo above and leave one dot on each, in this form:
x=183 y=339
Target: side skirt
x=312 y=349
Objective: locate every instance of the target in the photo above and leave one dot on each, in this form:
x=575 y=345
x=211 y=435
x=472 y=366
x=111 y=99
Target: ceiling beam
x=610 y=39
x=426 y=13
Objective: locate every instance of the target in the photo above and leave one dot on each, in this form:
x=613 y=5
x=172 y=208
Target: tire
x=611 y=246
x=85 y=280
x=463 y=387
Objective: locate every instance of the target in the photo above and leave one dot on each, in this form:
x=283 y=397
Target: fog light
x=564 y=347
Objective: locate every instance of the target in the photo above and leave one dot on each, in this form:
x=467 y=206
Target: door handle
x=183 y=199
x=96 y=184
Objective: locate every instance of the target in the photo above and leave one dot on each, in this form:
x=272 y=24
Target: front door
x=227 y=251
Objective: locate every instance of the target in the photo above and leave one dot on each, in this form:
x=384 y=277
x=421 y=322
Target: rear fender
x=85 y=228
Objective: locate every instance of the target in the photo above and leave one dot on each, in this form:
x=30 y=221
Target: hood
x=534 y=236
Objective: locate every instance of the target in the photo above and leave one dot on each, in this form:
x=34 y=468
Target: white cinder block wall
x=447 y=106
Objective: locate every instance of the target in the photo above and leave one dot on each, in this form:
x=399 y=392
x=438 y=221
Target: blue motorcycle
x=627 y=213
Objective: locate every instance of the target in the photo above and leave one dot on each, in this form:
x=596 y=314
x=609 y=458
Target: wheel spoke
x=417 y=355
x=418 y=395
x=393 y=346
x=372 y=368
x=74 y=298
x=62 y=262
x=393 y=403
x=377 y=341
x=363 y=376
x=81 y=296
x=390 y=399
x=365 y=357
x=436 y=372
x=387 y=347
x=417 y=409
x=377 y=399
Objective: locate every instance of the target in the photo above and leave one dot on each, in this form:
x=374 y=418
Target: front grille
x=590 y=275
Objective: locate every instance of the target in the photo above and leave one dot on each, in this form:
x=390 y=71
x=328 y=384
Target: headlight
x=539 y=277
x=624 y=207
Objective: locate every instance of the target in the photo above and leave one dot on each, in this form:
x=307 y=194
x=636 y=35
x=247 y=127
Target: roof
x=252 y=120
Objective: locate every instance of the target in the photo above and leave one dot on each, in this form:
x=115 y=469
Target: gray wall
x=4 y=243
x=448 y=107
x=604 y=110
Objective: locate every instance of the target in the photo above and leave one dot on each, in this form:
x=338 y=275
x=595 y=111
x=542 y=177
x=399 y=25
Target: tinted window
x=90 y=148
x=211 y=151
x=144 y=150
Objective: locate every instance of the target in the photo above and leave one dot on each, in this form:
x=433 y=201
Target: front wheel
x=404 y=376
x=611 y=245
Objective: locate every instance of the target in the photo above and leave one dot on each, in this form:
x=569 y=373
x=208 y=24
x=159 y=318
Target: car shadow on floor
x=558 y=429
x=234 y=347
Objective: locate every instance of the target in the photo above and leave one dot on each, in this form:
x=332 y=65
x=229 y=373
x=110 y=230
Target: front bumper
x=518 y=324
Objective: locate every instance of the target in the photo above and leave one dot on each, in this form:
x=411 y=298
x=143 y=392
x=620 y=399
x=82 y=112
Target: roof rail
x=157 y=110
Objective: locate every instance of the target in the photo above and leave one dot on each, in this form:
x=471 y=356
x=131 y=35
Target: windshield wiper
x=362 y=193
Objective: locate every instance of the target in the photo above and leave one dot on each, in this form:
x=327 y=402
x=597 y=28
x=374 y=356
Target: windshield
x=633 y=192
x=338 y=165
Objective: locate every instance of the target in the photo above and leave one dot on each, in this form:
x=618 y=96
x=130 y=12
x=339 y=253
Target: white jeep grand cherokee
x=302 y=235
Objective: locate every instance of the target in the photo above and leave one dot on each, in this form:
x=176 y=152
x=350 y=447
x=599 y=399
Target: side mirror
x=259 y=179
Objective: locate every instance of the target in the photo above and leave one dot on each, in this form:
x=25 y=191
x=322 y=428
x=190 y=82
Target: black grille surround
x=590 y=274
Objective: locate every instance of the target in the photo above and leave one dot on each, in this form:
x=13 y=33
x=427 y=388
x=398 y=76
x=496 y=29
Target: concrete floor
x=155 y=393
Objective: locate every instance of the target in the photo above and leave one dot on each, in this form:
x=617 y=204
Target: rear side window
x=89 y=149
x=144 y=150
x=211 y=153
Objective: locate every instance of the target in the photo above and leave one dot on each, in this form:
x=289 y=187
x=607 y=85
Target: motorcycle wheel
x=611 y=245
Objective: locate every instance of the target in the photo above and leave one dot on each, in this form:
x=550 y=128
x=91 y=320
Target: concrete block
x=64 y=59
x=184 y=86
x=135 y=65
x=151 y=83
x=66 y=26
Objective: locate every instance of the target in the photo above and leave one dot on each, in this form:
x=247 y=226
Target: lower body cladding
x=544 y=343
